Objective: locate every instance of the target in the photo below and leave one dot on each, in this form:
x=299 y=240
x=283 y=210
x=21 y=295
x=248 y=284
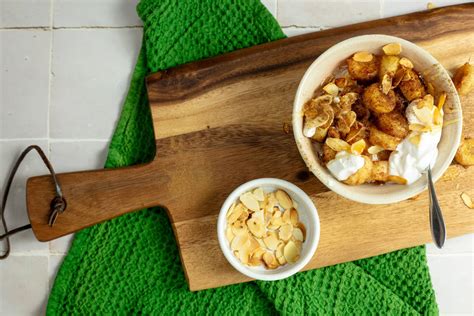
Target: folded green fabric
x=130 y=265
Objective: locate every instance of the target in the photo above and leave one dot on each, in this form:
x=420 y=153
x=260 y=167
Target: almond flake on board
x=466 y=198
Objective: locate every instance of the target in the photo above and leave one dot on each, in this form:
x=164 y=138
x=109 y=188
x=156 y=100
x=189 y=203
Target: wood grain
x=219 y=122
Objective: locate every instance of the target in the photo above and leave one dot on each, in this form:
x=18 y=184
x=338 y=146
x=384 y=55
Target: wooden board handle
x=92 y=197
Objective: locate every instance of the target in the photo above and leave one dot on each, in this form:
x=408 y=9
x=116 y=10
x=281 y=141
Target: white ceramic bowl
x=308 y=216
x=424 y=63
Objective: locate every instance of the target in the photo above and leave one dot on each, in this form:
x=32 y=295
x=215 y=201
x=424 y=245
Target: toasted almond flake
x=284 y=199
x=467 y=200
x=386 y=83
x=236 y=213
x=285 y=232
x=231 y=209
x=358 y=147
x=270 y=260
x=258 y=194
x=250 y=201
x=399 y=75
x=244 y=255
x=441 y=100
x=291 y=252
x=279 y=254
x=254 y=262
x=425 y=115
x=397 y=179
x=229 y=235
x=363 y=57
x=340 y=82
x=337 y=144
x=240 y=242
x=261 y=243
x=437 y=117
x=373 y=150
x=405 y=62
x=294 y=216
x=271 y=240
x=392 y=49
x=301 y=226
x=256 y=227
x=239 y=228
x=253 y=244
x=331 y=89
x=430 y=6
x=285 y=217
x=244 y=215
x=298 y=234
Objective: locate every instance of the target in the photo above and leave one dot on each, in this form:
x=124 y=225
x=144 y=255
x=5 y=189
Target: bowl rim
x=361 y=197
x=312 y=217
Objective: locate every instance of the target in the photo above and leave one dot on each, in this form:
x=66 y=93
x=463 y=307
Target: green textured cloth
x=130 y=265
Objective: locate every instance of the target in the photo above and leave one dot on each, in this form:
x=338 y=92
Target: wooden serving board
x=219 y=122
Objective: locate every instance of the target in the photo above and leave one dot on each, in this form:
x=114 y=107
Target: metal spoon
x=438 y=228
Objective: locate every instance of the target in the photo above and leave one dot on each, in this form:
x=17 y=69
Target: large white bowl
x=424 y=63
x=308 y=215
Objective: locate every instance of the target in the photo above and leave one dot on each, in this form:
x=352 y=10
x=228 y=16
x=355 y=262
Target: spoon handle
x=438 y=228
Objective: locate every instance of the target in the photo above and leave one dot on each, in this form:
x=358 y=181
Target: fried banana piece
x=384 y=140
x=388 y=65
x=465 y=153
x=377 y=101
x=464 y=79
x=413 y=88
x=362 y=175
x=363 y=70
x=393 y=123
x=328 y=153
x=380 y=171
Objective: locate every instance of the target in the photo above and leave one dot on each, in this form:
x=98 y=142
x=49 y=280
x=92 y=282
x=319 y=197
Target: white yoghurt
x=409 y=160
x=345 y=165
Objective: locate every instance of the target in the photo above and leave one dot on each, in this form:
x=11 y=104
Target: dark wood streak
x=195 y=78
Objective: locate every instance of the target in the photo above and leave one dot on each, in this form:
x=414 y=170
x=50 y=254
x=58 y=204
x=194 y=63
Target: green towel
x=130 y=265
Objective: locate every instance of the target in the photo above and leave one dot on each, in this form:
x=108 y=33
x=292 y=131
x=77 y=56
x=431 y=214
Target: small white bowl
x=308 y=216
x=325 y=65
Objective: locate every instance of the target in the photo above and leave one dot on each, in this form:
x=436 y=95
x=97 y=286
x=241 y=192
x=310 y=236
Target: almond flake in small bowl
x=268 y=229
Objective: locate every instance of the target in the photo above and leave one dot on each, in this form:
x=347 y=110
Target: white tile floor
x=70 y=58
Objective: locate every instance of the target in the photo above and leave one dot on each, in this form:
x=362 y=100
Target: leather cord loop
x=58 y=204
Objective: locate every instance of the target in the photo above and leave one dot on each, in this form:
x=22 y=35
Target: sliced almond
x=235 y=214
x=279 y=254
x=231 y=210
x=291 y=252
x=270 y=260
x=284 y=199
x=363 y=57
x=256 y=227
x=250 y=201
x=392 y=49
x=424 y=114
x=397 y=179
x=298 y=234
x=240 y=242
x=302 y=228
x=243 y=217
x=294 y=216
x=358 y=147
x=337 y=144
x=467 y=200
x=229 y=234
x=244 y=255
x=285 y=217
x=405 y=62
x=239 y=228
x=261 y=243
x=285 y=232
x=331 y=88
x=373 y=150
x=258 y=194
x=271 y=241
x=386 y=83
x=253 y=244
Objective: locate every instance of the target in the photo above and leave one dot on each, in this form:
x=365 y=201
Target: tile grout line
x=50 y=76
